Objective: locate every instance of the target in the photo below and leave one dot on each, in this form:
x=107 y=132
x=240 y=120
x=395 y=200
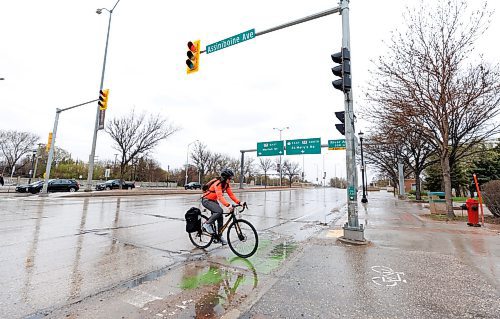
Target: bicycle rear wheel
x=201 y=239
x=242 y=238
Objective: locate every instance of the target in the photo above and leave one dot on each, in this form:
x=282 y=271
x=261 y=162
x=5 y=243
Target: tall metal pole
x=281 y=166
x=96 y=126
x=401 y=179
x=353 y=231
x=187 y=163
x=36 y=162
x=187 y=160
x=51 y=155
x=242 y=167
x=32 y=166
x=363 y=199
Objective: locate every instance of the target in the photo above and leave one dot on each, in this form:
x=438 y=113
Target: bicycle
x=242 y=237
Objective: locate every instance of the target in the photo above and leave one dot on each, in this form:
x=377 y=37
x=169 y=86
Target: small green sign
x=303 y=146
x=351 y=191
x=235 y=39
x=270 y=148
x=336 y=144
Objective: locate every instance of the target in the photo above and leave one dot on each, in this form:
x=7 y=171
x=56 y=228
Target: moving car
x=192 y=185
x=114 y=184
x=55 y=185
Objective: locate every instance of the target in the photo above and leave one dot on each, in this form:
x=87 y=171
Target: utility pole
x=99 y=113
x=353 y=231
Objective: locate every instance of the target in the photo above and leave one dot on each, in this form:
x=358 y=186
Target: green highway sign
x=270 y=148
x=336 y=144
x=235 y=39
x=303 y=146
x=351 y=192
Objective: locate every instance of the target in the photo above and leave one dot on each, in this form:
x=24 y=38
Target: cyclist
x=212 y=195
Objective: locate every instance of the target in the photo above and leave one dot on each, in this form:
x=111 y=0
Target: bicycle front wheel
x=201 y=238
x=242 y=238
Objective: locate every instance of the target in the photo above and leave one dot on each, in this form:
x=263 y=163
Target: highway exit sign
x=336 y=144
x=270 y=148
x=303 y=146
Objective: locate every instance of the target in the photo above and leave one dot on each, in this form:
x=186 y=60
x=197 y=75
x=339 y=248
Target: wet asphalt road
x=58 y=251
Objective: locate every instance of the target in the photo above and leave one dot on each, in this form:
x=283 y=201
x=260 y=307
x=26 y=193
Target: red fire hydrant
x=472 y=212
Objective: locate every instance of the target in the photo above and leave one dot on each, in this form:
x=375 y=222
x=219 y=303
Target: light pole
x=32 y=171
x=96 y=128
x=187 y=160
x=281 y=166
x=363 y=199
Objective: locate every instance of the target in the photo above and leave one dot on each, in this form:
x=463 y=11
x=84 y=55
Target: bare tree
x=265 y=164
x=402 y=140
x=217 y=162
x=428 y=75
x=201 y=158
x=134 y=135
x=291 y=169
x=14 y=145
x=234 y=165
x=248 y=168
x=384 y=150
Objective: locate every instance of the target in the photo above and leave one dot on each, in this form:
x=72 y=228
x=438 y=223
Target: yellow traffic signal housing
x=49 y=143
x=103 y=99
x=193 y=54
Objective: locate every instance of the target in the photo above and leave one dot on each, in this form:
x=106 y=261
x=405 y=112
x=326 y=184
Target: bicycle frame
x=230 y=220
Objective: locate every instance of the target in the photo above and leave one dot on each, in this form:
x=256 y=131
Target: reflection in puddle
x=282 y=251
x=220 y=287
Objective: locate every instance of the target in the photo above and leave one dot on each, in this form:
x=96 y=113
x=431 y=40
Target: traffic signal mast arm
x=298 y=21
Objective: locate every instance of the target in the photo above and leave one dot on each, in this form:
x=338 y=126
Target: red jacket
x=215 y=193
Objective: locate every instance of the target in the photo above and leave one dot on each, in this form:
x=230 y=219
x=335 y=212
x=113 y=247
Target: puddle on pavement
x=211 y=288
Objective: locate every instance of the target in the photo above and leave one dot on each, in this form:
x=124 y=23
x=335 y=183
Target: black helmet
x=226 y=173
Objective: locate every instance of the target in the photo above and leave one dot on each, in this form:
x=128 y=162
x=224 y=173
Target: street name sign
x=303 y=146
x=270 y=148
x=235 y=39
x=336 y=144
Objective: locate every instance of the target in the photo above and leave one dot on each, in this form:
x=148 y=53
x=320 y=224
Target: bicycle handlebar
x=244 y=206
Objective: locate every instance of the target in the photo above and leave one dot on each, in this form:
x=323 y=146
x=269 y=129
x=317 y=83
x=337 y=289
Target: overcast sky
x=51 y=55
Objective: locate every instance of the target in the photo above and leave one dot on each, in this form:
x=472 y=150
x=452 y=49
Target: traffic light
x=193 y=54
x=343 y=70
x=49 y=143
x=278 y=167
x=103 y=99
x=341 y=117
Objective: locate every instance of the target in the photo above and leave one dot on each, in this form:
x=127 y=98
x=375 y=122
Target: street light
x=187 y=160
x=363 y=199
x=281 y=166
x=32 y=170
x=96 y=128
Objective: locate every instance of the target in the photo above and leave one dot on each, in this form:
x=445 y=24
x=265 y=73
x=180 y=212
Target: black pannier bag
x=193 y=220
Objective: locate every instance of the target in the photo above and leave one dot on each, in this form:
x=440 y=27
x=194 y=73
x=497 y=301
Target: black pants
x=216 y=210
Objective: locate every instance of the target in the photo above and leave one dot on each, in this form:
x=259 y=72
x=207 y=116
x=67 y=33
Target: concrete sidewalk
x=413 y=268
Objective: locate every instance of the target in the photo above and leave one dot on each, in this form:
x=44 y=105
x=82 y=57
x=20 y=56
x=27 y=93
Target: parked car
x=55 y=185
x=114 y=184
x=192 y=185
